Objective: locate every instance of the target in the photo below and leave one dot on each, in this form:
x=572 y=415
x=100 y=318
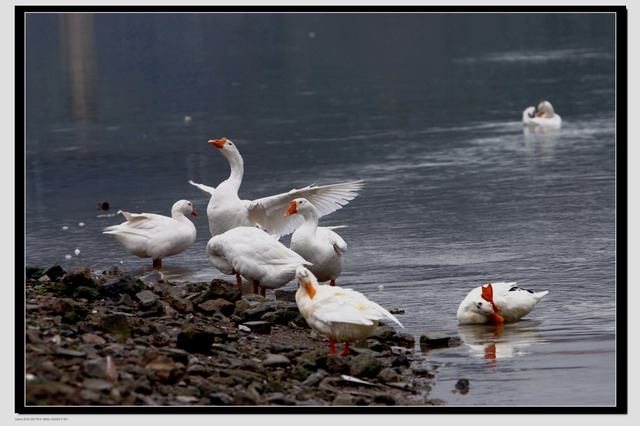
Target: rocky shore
x=109 y=338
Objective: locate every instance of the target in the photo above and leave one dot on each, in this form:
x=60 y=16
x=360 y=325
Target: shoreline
x=109 y=338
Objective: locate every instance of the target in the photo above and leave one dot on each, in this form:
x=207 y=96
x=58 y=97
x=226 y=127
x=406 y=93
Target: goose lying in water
x=545 y=116
x=497 y=303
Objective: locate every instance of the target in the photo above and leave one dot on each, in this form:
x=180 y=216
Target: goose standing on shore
x=341 y=314
x=252 y=253
x=226 y=210
x=497 y=303
x=319 y=245
x=156 y=236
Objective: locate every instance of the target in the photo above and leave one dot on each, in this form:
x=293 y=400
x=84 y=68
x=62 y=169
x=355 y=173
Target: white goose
x=545 y=117
x=226 y=210
x=497 y=303
x=319 y=245
x=252 y=253
x=152 y=235
x=341 y=314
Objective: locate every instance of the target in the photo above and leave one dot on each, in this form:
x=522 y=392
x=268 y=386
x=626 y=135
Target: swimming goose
x=252 y=253
x=545 y=117
x=226 y=210
x=152 y=235
x=341 y=314
x=319 y=245
x=497 y=303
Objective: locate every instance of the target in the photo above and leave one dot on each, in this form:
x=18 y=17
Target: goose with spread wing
x=226 y=210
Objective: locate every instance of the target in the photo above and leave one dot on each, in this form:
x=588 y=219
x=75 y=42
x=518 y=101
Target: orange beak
x=540 y=113
x=497 y=318
x=219 y=143
x=193 y=212
x=310 y=290
x=292 y=209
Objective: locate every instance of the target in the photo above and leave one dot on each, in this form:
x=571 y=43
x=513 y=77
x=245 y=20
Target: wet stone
x=84 y=292
x=434 y=339
x=365 y=366
x=462 y=386
x=260 y=327
x=220 y=305
x=276 y=360
x=147 y=298
x=121 y=284
x=286 y=295
x=34 y=272
x=220 y=289
x=193 y=339
x=116 y=324
x=54 y=272
x=80 y=276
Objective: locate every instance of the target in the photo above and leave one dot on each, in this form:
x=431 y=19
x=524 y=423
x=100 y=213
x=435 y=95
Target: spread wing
x=268 y=212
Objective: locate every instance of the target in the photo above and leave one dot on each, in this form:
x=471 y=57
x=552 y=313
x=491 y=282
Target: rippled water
x=456 y=195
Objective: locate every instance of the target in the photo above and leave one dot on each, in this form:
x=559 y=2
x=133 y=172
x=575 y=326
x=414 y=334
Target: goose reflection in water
x=499 y=341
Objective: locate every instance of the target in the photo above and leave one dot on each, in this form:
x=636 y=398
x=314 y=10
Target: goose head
x=184 y=207
x=307 y=282
x=545 y=109
x=226 y=147
x=301 y=206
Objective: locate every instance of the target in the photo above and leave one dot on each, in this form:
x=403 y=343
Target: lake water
x=426 y=108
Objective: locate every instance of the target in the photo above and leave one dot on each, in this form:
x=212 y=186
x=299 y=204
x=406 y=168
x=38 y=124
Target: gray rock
x=220 y=398
x=276 y=360
x=219 y=305
x=315 y=378
x=84 y=292
x=80 y=276
x=54 y=272
x=70 y=353
x=286 y=295
x=97 y=385
x=365 y=366
x=196 y=340
x=116 y=324
x=260 y=327
x=180 y=304
x=434 y=339
x=389 y=375
x=220 y=289
x=281 y=316
x=122 y=284
x=462 y=386
x=384 y=398
x=147 y=298
x=34 y=272
x=344 y=399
